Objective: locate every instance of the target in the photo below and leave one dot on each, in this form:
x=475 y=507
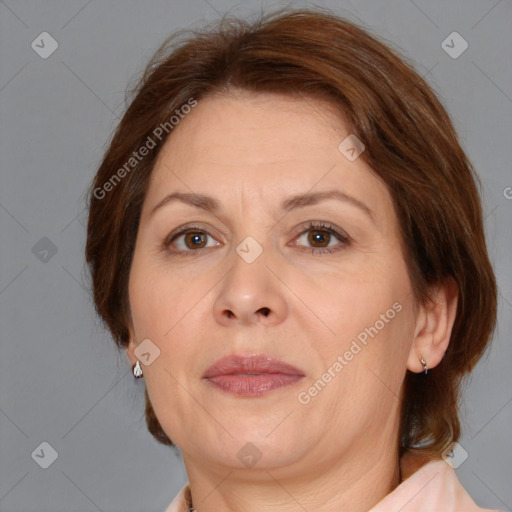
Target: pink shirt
x=434 y=487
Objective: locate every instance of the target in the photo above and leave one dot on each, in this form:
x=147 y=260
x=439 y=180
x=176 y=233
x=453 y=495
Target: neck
x=354 y=484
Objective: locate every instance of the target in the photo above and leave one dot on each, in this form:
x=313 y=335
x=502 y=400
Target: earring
x=137 y=370
x=424 y=363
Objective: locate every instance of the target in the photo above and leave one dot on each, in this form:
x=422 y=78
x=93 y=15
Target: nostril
x=265 y=311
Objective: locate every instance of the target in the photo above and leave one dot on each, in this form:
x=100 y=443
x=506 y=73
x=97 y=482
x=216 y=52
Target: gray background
x=62 y=380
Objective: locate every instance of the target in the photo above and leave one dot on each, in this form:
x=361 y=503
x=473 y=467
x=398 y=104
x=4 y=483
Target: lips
x=250 y=365
x=251 y=375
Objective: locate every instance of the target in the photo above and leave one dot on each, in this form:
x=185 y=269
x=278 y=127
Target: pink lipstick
x=251 y=375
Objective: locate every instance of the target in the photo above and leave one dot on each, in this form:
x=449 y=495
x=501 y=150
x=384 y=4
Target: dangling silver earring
x=137 y=370
x=423 y=362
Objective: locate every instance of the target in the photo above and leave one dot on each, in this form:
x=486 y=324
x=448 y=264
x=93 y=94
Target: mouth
x=253 y=375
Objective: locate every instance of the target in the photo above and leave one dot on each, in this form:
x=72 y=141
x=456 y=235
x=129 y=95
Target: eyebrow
x=211 y=204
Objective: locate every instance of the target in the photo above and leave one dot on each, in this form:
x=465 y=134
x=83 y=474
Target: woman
x=286 y=237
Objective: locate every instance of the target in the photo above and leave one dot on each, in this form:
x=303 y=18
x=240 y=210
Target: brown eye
x=195 y=239
x=317 y=236
x=320 y=236
x=188 y=241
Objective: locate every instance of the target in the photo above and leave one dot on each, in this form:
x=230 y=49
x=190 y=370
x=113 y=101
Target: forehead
x=245 y=125
x=265 y=145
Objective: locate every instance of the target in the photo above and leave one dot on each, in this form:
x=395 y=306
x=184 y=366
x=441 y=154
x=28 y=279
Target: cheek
x=147 y=308
x=371 y=317
x=352 y=307
x=170 y=309
x=369 y=376
x=385 y=340
x=156 y=299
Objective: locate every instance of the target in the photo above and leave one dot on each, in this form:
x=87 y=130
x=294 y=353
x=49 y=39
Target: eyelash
x=317 y=226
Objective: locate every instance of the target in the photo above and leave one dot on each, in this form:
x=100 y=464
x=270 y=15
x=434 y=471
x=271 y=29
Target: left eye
x=322 y=234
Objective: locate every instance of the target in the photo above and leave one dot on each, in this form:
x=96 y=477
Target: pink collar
x=432 y=487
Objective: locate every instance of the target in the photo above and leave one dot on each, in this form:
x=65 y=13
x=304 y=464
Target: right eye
x=188 y=240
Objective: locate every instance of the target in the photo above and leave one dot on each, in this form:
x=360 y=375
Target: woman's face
x=252 y=278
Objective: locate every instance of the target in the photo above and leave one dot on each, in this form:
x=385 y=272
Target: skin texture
x=339 y=451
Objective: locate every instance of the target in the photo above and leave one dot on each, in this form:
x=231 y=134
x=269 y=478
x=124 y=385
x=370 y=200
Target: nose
x=250 y=293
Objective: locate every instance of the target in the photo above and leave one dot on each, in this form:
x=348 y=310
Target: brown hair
x=410 y=143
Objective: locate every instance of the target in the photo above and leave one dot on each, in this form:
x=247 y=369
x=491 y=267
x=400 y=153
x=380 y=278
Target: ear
x=434 y=323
